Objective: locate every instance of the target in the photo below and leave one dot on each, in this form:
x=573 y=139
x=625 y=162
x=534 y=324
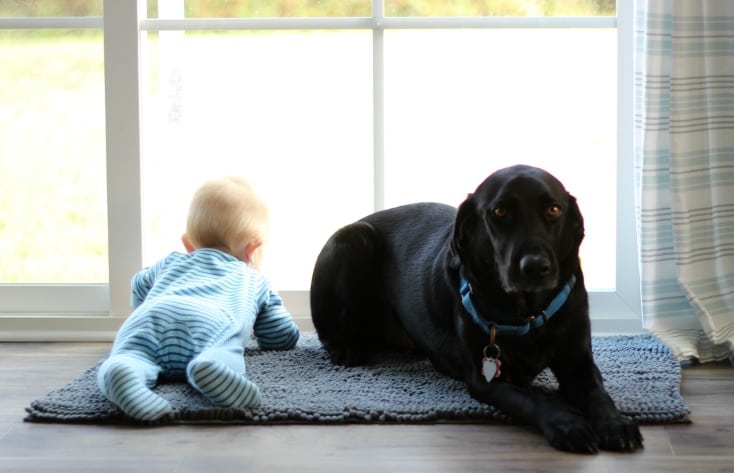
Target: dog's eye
x=500 y=212
x=554 y=211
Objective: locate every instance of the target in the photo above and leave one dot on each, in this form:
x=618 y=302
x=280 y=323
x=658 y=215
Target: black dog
x=492 y=294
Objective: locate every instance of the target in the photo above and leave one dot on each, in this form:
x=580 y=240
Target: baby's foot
x=124 y=388
x=223 y=386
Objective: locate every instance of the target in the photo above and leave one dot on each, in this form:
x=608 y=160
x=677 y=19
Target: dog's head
x=523 y=225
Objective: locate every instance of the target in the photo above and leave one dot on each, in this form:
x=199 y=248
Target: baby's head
x=226 y=214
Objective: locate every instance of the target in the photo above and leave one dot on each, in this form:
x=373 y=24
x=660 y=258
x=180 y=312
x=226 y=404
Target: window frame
x=94 y=312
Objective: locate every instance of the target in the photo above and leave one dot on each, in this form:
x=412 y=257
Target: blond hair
x=226 y=214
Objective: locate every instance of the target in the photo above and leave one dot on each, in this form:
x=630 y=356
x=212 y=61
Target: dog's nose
x=535 y=266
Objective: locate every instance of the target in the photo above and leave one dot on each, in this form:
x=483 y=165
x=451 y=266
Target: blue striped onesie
x=193 y=314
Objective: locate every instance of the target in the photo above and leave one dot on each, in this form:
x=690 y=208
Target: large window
x=333 y=109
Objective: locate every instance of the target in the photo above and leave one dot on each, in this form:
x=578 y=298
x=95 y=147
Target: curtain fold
x=684 y=168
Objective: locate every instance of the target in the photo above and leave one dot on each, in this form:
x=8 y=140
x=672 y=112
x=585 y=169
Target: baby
x=193 y=312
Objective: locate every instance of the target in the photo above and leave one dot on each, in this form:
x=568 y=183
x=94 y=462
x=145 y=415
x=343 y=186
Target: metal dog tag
x=491 y=368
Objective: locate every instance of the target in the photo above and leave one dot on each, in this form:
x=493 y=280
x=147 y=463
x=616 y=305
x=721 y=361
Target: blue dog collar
x=532 y=322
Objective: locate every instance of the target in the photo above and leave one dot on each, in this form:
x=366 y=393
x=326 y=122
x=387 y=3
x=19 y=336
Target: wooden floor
x=29 y=370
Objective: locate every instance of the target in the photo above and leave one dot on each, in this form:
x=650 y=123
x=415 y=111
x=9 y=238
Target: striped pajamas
x=193 y=314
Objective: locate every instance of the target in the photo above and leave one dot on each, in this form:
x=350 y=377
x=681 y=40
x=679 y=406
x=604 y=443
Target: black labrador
x=492 y=294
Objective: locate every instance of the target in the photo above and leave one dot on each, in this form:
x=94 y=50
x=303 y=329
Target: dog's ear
x=573 y=230
x=466 y=220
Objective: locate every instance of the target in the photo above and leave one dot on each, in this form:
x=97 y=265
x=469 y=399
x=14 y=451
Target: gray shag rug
x=302 y=386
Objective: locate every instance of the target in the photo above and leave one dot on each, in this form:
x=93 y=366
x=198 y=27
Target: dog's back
x=373 y=272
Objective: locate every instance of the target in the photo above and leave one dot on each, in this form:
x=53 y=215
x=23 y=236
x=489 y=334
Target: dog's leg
x=581 y=385
x=564 y=427
x=345 y=302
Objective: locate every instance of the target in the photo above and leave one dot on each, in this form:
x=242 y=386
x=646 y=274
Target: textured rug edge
x=44 y=411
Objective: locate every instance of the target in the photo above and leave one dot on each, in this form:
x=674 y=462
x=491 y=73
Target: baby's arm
x=274 y=326
x=140 y=285
x=142 y=282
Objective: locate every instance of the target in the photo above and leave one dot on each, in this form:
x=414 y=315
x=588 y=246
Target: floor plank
x=30 y=370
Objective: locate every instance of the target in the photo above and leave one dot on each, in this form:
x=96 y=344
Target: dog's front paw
x=618 y=433
x=570 y=432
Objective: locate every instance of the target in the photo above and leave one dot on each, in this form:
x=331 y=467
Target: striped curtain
x=684 y=163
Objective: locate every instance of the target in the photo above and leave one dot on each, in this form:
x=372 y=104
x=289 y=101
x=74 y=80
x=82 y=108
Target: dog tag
x=491 y=368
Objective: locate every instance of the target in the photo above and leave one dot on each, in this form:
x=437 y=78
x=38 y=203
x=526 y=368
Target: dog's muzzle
x=533 y=271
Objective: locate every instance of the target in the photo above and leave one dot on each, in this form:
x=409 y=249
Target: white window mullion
x=623 y=306
x=628 y=276
x=122 y=103
x=378 y=104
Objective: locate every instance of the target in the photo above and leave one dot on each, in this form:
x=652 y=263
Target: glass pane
x=265 y=8
x=53 y=217
x=500 y=8
x=20 y=8
x=461 y=104
x=289 y=111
